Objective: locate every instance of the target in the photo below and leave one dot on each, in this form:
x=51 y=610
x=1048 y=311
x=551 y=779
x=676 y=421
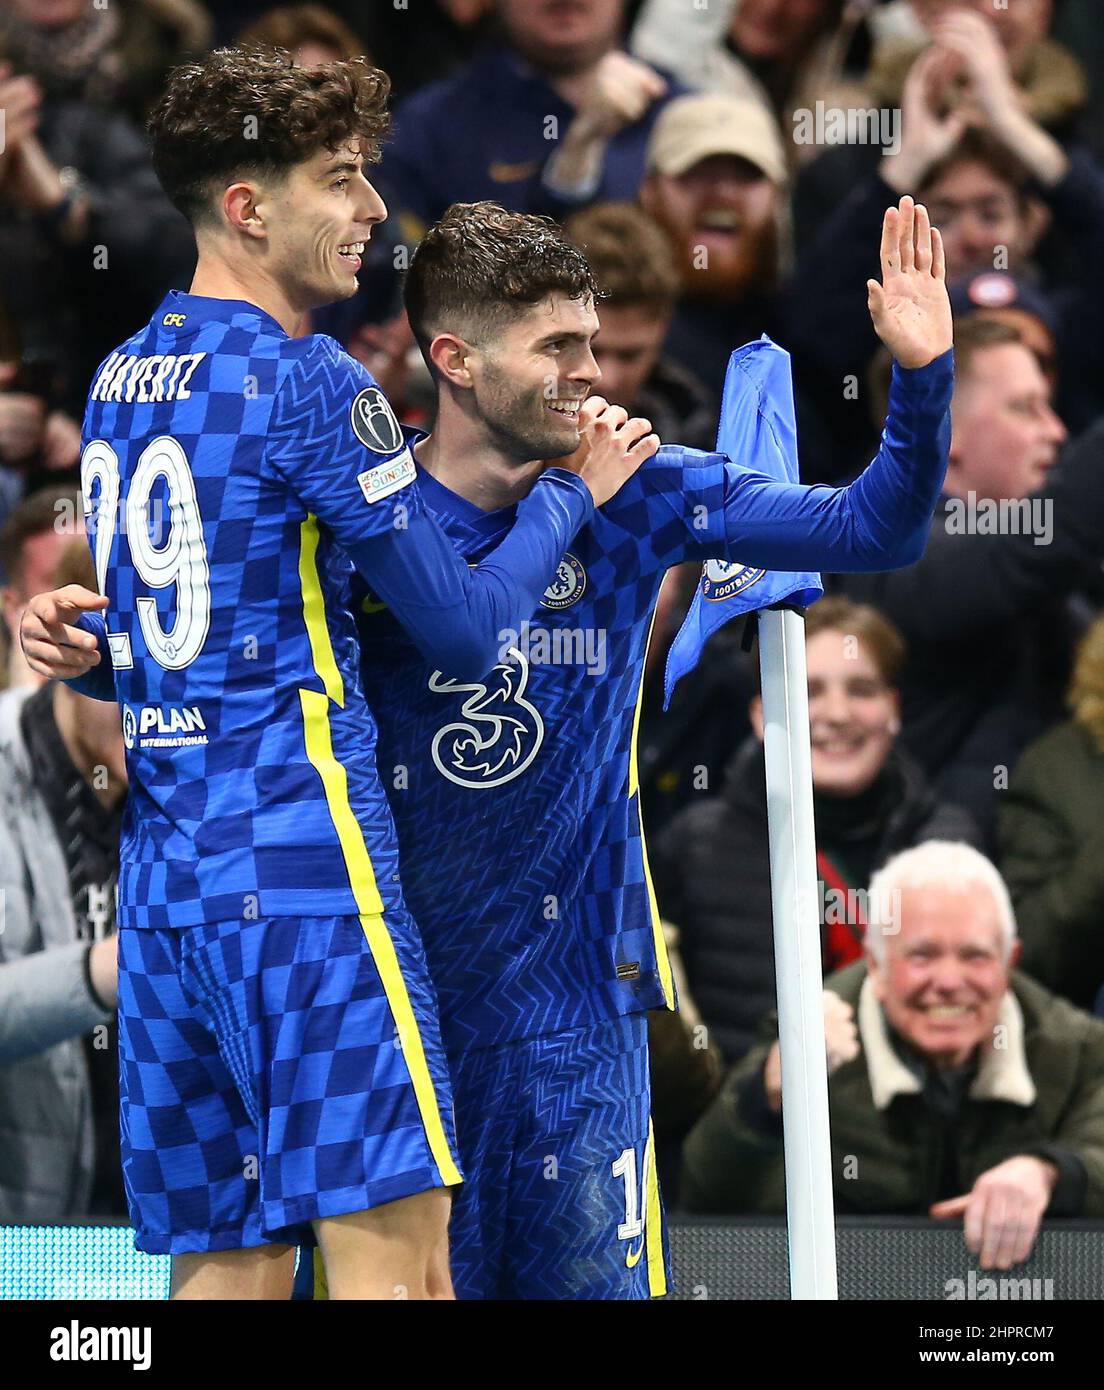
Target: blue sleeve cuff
x=938 y=373
x=99 y=682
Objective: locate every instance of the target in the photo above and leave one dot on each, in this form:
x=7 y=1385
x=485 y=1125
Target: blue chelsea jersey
x=516 y=795
x=223 y=463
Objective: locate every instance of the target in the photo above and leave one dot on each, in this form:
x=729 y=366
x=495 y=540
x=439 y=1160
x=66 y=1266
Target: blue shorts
x=560 y=1199
x=275 y=1072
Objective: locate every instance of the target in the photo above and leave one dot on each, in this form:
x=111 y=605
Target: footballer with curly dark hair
x=283 y=1080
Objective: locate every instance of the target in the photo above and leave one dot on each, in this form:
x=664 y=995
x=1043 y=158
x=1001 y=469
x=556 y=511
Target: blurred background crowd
x=725 y=164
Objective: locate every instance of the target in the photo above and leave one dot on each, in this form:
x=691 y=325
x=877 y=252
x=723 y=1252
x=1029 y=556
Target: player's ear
x=240 y=208
x=452 y=358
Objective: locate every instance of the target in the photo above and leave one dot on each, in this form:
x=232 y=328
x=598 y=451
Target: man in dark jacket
x=987 y=611
x=554 y=117
x=958 y=1087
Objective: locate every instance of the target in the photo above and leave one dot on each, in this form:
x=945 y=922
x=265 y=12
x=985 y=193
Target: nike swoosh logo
x=632 y=1258
x=513 y=173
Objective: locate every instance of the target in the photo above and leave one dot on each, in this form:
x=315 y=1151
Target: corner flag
x=757 y=428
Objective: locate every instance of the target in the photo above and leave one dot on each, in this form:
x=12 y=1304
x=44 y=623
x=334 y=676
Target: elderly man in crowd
x=959 y=1087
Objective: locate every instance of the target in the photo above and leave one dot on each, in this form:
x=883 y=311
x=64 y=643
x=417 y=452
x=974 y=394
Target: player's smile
x=351 y=254
x=568 y=408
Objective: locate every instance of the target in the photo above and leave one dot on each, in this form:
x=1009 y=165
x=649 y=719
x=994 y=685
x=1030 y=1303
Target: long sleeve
x=720 y=509
x=98 y=683
x=44 y=1000
x=44 y=995
x=457 y=616
x=352 y=469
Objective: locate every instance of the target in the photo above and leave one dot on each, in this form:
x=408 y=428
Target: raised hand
x=620 y=90
x=910 y=308
x=53 y=647
x=20 y=99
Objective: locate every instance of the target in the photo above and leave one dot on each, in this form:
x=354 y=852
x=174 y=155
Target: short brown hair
x=475 y=268
x=291 y=26
x=975 y=333
x=251 y=111
x=979 y=147
x=629 y=254
x=835 y=613
x=41 y=511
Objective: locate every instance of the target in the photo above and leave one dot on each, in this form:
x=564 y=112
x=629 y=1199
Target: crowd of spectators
x=725 y=167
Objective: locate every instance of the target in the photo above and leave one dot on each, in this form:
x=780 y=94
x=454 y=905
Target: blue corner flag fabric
x=757 y=430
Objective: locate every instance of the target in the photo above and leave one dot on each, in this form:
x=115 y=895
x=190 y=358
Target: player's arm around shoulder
x=335 y=442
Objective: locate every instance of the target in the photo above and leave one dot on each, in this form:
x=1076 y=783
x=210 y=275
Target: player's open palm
x=612 y=446
x=910 y=308
x=54 y=648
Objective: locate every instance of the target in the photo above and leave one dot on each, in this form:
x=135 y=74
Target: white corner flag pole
x=809 y=1209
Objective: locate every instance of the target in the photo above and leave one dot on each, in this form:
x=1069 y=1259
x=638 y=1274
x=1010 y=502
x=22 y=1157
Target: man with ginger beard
x=715 y=181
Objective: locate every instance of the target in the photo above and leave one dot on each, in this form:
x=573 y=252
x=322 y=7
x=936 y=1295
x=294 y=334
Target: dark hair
x=41 y=511
x=475 y=268
x=291 y=26
x=974 y=334
x=251 y=111
x=978 y=146
x=629 y=255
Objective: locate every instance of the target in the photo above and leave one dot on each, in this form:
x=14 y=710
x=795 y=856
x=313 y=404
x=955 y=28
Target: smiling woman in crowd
x=870 y=800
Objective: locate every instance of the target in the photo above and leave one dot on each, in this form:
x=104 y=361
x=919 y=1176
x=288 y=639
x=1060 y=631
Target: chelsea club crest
x=568 y=586
x=720 y=580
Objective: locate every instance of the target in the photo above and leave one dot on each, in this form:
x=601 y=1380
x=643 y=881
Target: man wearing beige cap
x=716 y=176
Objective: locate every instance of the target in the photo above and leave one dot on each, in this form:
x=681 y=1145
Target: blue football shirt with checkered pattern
x=222 y=480
x=516 y=796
